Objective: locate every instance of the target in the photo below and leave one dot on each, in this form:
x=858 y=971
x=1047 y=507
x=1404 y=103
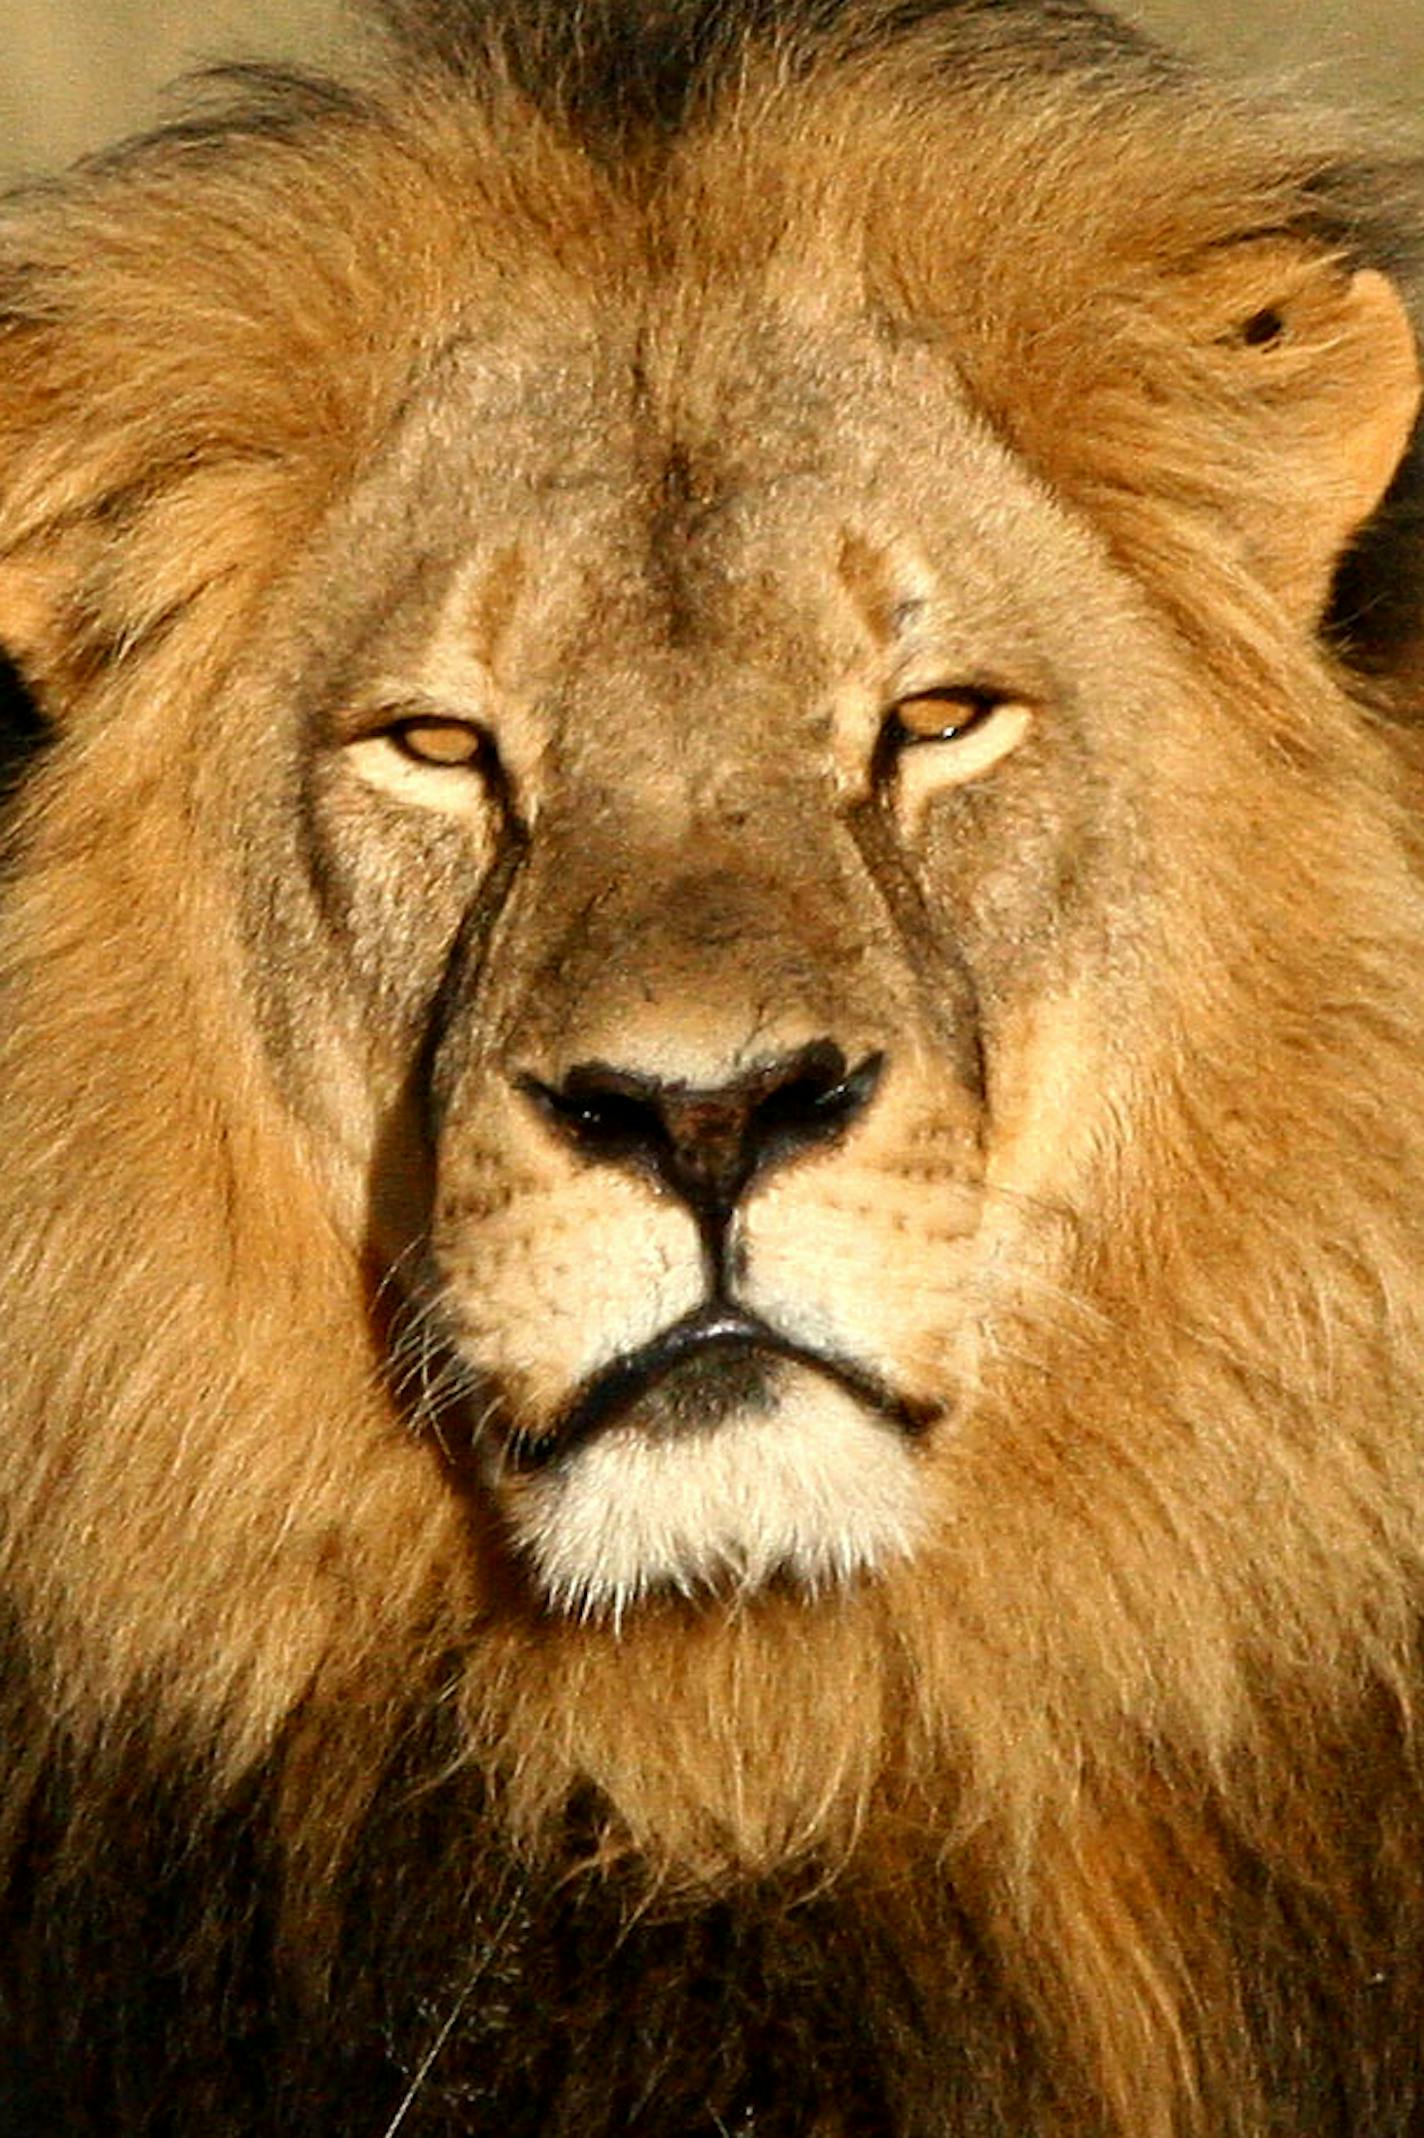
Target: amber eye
x=942 y=715
x=446 y=744
x=432 y=760
x=946 y=737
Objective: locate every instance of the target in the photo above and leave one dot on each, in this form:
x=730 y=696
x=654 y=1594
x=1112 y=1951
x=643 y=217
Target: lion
x=713 y=1094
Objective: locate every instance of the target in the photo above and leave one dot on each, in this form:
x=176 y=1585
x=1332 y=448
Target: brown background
x=78 y=72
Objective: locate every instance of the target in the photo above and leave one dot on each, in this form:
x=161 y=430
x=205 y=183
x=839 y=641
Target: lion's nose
x=709 y=1144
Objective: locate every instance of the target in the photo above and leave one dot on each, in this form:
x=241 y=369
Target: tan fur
x=1162 y=1591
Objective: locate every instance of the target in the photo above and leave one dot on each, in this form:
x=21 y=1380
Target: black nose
x=707 y=1145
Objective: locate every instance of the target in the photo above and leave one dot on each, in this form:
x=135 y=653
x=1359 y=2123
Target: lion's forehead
x=648 y=517
x=697 y=435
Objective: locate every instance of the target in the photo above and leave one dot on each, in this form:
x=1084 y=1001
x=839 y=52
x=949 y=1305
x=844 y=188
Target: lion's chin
x=783 y=1477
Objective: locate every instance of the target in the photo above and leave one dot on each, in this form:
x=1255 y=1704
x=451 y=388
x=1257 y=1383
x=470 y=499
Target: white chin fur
x=817 y=1490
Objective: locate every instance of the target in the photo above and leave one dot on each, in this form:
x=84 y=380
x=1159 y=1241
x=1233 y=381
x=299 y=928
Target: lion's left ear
x=55 y=477
x=1330 y=371
x=31 y=596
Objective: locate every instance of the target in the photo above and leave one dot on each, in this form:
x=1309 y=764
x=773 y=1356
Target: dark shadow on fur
x=562 y=2005
x=24 y=732
x=1376 y=617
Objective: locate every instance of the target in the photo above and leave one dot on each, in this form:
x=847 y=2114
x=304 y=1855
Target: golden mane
x=1108 y=1817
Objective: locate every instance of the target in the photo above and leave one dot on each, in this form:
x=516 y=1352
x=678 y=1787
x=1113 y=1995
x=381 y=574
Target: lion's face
x=714 y=772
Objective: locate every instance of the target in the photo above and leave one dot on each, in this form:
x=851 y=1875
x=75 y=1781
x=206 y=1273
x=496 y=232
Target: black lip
x=608 y=1394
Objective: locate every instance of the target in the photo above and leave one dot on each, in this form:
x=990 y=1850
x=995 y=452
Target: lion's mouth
x=719 y=1357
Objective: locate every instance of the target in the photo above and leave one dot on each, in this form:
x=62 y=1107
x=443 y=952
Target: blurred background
x=80 y=72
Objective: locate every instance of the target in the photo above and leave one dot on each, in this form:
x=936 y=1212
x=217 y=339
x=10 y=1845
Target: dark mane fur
x=615 y=68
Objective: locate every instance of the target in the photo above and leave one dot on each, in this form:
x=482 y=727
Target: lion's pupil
x=438 y=742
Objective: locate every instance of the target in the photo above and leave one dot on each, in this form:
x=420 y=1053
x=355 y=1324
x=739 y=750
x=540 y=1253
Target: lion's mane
x=1102 y=1817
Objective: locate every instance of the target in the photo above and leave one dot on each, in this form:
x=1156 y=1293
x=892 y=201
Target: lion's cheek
x=544 y=1281
x=868 y=1263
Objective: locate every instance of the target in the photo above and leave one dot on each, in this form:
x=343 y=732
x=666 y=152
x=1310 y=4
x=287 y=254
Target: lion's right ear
x=1324 y=368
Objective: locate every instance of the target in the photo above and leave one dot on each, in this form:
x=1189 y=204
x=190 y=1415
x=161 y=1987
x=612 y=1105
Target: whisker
x=494 y=1944
x=395 y=1271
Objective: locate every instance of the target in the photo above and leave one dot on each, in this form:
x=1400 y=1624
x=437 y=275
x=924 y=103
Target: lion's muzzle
x=725 y=1446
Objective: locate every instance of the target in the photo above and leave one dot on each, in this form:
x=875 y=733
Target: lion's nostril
x=820 y=1100
x=599 y=1113
x=708 y=1143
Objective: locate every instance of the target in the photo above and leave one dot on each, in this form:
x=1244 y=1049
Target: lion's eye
x=432 y=760
x=946 y=736
x=447 y=744
x=943 y=715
